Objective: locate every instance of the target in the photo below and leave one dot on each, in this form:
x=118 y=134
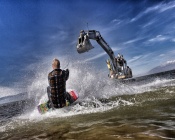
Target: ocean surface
x=107 y=110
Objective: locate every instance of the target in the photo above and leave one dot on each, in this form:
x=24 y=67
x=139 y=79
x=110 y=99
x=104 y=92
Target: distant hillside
x=169 y=65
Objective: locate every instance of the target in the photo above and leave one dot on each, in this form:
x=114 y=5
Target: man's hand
x=67 y=74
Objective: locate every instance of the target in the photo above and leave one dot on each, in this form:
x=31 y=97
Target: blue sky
x=143 y=31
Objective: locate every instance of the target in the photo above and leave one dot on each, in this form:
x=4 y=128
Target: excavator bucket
x=84 y=44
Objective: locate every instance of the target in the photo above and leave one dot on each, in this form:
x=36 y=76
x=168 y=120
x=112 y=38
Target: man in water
x=57 y=86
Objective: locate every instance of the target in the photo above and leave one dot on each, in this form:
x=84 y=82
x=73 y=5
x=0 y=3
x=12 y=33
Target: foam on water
x=91 y=85
x=6 y=91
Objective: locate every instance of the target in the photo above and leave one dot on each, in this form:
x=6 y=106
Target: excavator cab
x=84 y=44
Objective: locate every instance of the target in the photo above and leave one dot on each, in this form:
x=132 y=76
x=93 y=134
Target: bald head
x=55 y=64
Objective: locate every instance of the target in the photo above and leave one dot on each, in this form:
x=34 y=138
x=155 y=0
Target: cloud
x=149 y=23
x=132 y=41
x=172 y=52
x=148 y=10
x=173 y=39
x=61 y=35
x=113 y=25
x=100 y=55
x=141 y=63
x=158 y=8
x=143 y=58
x=116 y=21
x=144 y=62
x=96 y=57
x=158 y=38
x=166 y=7
x=169 y=62
x=161 y=55
x=135 y=58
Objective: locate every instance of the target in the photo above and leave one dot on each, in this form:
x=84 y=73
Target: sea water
x=106 y=109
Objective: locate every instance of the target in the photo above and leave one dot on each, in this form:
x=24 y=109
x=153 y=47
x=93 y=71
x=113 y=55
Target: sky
x=142 y=30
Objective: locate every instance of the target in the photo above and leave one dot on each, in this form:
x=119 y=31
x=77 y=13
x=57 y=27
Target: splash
x=97 y=93
x=91 y=84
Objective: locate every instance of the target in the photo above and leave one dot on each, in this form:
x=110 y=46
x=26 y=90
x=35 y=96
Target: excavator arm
x=85 y=45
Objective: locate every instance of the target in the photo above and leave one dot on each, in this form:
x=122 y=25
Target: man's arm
x=49 y=75
x=67 y=74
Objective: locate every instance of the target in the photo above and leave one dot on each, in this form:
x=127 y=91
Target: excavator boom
x=85 y=45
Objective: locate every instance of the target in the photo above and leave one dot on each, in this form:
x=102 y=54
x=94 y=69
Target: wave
x=92 y=85
x=97 y=93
